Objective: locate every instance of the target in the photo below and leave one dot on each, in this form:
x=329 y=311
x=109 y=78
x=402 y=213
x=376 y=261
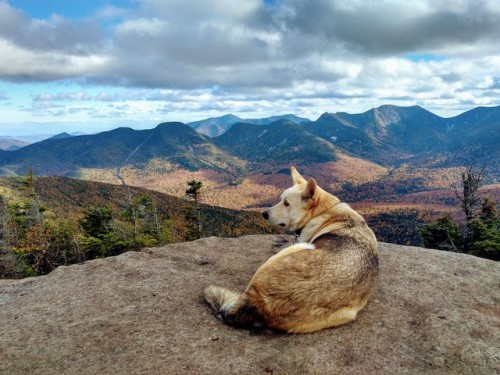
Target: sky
x=86 y=65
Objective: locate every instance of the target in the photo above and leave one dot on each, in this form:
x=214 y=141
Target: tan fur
x=320 y=282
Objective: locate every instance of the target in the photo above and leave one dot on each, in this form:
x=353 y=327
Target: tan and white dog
x=320 y=282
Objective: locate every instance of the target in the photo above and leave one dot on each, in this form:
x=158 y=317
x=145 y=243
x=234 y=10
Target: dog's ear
x=310 y=189
x=297 y=177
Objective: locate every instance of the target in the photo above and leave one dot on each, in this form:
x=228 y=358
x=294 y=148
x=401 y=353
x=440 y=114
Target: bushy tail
x=231 y=307
x=221 y=300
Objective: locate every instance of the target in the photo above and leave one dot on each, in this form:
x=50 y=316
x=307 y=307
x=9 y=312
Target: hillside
x=390 y=135
x=45 y=227
x=385 y=134
x=65 y=156
x=432 y=313
x=475 y=135
x=281 y=143
x=67 y=198
x=173 y=143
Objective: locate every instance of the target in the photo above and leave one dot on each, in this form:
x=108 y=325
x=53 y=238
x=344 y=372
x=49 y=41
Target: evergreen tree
x=149 y=228
x=8 y=264
x=486 y=232
x=443 y=234
x=97 y=221
x=192 y=217
x=97 y=225
x=193 y=190
x=29 y=181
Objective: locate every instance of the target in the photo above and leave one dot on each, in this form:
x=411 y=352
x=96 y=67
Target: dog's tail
x=231 y=307
x=221 y=299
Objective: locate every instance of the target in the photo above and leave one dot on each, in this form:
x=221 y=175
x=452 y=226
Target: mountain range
x=389 y=148
x=388 y=135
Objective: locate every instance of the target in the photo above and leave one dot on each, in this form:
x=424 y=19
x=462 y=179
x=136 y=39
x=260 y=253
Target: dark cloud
x=390 y=27
x=450 y=77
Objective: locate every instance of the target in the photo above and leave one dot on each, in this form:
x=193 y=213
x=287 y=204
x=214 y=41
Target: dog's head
x=293 y=210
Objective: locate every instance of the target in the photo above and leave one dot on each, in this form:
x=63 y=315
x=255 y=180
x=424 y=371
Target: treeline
x=399 y=227
x=481 y=238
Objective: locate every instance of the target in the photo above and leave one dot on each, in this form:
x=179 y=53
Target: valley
x=387 y=161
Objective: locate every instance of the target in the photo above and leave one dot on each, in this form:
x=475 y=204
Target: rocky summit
x=142 y=313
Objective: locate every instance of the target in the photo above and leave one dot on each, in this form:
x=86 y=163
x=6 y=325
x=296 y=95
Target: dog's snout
x=265 y=215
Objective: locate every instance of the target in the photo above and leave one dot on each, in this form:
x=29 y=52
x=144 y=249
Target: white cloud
x=149 y=27
x=19 y=64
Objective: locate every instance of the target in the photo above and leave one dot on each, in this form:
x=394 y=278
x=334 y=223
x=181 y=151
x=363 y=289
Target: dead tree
x=471 y=181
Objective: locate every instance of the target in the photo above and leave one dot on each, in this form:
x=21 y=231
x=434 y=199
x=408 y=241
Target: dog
x=320 y=282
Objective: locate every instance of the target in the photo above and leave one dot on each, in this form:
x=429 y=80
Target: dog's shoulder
x=330 y=241
x=338 y=242
x=355 y=253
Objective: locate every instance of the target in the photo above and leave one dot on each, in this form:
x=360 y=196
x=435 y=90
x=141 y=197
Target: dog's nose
x=265 y=215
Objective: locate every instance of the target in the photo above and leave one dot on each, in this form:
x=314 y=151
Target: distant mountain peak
x=61 y=136
x=327 y=115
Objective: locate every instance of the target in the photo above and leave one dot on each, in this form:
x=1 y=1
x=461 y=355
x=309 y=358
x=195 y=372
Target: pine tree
x=442 y=234
x=193 y=190
x=486 y=232
x=97 y=221
x=29 y=181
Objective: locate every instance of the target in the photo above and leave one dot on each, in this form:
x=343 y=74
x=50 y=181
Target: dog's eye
x=286 y=203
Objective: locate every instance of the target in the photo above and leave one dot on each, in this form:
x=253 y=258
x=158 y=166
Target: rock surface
x=142 y=313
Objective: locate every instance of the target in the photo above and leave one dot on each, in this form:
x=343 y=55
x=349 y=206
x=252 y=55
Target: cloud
x=63 y=96
x=216 y=54
x=55 y=34
x=24 y=65
x=392 y=27
x=179 y=44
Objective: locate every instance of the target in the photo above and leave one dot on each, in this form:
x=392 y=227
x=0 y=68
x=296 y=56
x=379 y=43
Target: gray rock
x=142 y=313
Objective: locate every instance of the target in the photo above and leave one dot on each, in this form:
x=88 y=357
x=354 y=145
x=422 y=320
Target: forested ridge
x=50 y=221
